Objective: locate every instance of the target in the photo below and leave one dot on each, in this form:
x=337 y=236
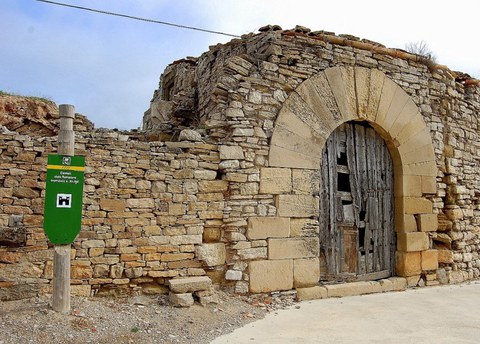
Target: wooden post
x=61 y=257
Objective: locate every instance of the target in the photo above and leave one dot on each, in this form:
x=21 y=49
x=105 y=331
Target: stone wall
x=251 y=92
x=239 y=202
x=147 y=207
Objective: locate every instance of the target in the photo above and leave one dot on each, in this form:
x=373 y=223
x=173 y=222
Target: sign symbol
x=66 y=160
x=64 y=200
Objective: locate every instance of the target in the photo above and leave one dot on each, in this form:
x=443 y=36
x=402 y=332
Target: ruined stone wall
x=255 y=86
x=223 y=205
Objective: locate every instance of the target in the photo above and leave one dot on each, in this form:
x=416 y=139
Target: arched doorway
x=357 y=237
x=308 y=117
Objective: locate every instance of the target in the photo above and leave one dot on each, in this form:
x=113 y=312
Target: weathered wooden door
x=357 y=237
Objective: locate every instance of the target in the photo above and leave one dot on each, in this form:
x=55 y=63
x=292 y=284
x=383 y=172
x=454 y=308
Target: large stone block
x=429 y=185
x=413 y=135
x=427 y=168
x=409 y=264
x=445 y=256
x=404 y=116
x=387 y=95
x=430 y=260
x=409 y=223
x=205 y=174
x=112 y=205
x=398 y=283
x=284 y=157
x=296 y=206
x=11 y=292
x=401 y=109
x=190 y=284
x=305 y=181
x=412 y=186
x=375 y=91
x=354 y=288
x=211 y=254
x=181 y=300
x=427 y=222
x=311 y=293
x=270 y=275
x=304 y=227
x=24 y=192
x=362 y=88
x=342 y=84
x=233 y=275
x=454 y=213
x=208 y=186
x=93 y=243
x=231 y=153
x=318 y=96
x=297 y=139
x=252 y=253
x=268 y=227
x=423 y=153
x=413 y=241
x=417 y=205
x=140 y=203
x=306 y=272
x=275 y=180
x=293 y=248
x=81 y=270
x=212 y=234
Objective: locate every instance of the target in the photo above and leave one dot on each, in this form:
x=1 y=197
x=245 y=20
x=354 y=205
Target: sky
x=108 y=67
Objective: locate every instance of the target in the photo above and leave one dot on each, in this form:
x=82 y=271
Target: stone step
x=352 y=289
x=190 y=284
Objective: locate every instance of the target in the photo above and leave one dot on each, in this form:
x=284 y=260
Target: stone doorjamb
x=308 y=117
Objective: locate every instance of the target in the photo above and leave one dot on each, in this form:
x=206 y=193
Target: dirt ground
x=139 y=319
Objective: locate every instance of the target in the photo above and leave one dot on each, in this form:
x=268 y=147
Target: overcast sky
x=108 y=67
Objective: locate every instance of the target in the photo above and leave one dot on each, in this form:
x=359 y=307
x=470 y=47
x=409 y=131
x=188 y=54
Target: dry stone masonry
x=225 y=183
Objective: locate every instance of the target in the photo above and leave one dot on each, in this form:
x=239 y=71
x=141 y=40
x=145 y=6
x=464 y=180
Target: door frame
x=340 y=94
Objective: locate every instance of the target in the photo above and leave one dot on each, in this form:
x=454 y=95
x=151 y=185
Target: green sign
x=63 y=198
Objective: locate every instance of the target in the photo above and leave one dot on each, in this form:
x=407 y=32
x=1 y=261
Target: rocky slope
x=33 y=116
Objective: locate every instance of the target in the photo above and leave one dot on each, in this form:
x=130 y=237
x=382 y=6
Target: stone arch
x=340 y=94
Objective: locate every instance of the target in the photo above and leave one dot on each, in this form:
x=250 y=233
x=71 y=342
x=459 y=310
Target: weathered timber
x=357 y=176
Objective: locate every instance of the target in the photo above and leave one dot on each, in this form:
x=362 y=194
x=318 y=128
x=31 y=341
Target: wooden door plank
x=390 y=214
x=361 y=163
x=370 y=213
x=324 y=213
x=332 y=178
x=374 y=275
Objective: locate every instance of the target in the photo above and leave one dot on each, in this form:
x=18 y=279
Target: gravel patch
x=139 y=319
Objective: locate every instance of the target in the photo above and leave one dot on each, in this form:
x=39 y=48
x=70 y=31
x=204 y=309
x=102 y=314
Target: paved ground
x=446 y=314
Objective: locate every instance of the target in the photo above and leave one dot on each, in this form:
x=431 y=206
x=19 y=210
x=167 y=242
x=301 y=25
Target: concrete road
x=446 y=314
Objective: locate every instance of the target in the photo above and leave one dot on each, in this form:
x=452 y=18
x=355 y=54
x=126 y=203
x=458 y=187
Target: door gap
x=343 y=181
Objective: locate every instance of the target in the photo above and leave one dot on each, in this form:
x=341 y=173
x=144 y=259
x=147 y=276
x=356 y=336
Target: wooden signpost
x=63 y=206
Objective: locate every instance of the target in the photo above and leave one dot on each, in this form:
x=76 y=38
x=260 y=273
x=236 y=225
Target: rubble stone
x=190 y=284
x=212 y=254
x=181 y=300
